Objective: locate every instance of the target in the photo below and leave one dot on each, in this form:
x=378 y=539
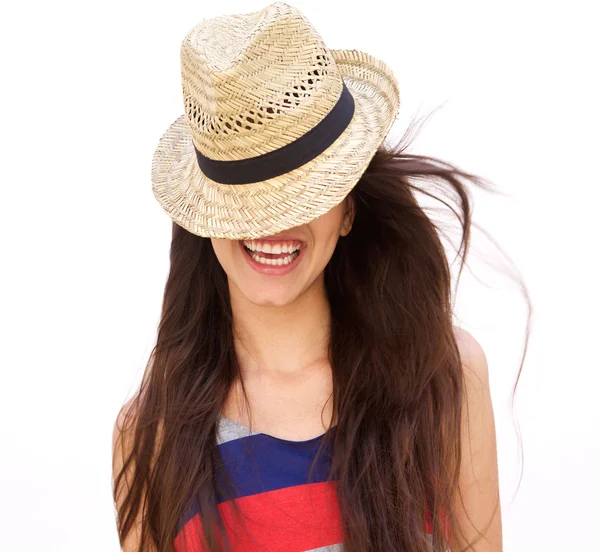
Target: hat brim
x=248 y=211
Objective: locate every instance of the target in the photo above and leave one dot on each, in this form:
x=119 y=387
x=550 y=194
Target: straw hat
x=277 y=128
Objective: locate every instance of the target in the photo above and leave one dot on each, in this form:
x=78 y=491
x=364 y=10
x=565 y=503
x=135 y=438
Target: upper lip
x=278 y=237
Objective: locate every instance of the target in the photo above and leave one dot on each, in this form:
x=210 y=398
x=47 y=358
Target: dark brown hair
x=397 y=377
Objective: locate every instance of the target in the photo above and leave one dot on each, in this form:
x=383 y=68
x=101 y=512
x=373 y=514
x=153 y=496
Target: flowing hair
x=398 y=386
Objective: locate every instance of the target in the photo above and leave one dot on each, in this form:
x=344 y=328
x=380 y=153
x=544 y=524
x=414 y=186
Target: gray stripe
x=228 y=430
x=340 y=547
x=332 y=548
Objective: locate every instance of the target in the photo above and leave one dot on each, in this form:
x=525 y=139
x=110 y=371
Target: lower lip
x=272 y=270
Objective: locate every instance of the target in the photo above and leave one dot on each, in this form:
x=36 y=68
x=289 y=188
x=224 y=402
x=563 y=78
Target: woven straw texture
x=251 y=84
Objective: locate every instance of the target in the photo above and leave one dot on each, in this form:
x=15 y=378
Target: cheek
x=326 y=234
x=323 y=248
x=225 y=253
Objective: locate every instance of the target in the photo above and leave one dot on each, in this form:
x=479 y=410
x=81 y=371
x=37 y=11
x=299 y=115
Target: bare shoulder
x=123 y=469
x=124 y=422
x=124 y=429
x=126 y=412
x=121 y=475
x=478 y=503
x=122 y=439
x=472 y=355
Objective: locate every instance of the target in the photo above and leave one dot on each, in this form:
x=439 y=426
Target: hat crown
x=254 y=82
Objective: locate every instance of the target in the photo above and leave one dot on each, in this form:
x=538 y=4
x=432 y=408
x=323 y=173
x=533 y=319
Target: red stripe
x=285 y=520
x=292 y=519
x=444 y=523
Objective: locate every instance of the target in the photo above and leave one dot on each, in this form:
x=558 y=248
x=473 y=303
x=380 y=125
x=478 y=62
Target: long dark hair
x=397 y=377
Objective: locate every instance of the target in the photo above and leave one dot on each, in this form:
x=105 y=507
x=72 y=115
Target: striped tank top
x=283 y=511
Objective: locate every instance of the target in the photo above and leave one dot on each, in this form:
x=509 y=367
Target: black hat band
x=287 y=158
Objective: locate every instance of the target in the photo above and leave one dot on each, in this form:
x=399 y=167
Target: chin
x=269 y=297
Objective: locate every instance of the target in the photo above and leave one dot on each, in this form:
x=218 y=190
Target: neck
x=282 y=340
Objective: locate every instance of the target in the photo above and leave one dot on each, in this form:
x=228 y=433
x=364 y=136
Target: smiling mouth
x=276 y=259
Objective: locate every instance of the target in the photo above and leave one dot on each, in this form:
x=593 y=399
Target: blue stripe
x=260 y=463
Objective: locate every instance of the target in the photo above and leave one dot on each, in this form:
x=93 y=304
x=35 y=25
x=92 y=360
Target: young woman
x=308 y=389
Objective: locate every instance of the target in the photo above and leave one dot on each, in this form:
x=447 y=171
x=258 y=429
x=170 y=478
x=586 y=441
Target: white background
x=88 y=88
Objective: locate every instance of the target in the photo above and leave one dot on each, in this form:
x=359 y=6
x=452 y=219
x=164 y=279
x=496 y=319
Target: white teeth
x=276 y=262
x=276 y=248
